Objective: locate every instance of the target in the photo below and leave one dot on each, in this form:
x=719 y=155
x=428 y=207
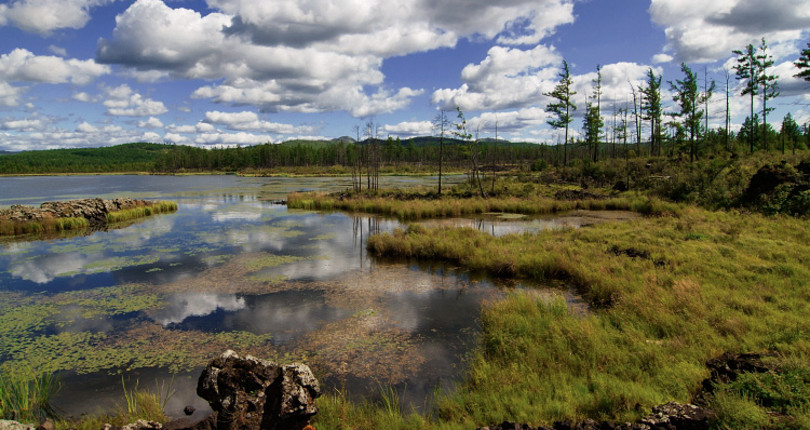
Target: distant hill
x=130 y=157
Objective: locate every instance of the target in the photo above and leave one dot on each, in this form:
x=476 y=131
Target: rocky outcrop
x=248 y=393
x=94 y=210
x=670 y=416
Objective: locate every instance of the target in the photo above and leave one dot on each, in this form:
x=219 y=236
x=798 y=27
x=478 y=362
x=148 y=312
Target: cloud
x=45 y=16
x=58 y=50
x=699 y=31
x=86 y=127
x=231 y=139
x=10 y=95
x=21 y=124
x=507 y=78
x=409 y=129
x=662 y=58
x=83 y=97
x=122 y=101
x=249 y=121
x=311 y=55
x=21 y=65
x=152 y=122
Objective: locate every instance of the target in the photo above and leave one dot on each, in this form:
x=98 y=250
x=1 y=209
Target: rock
x=670 y=416
x=137 y=425
x=47 y=424
x=250 y=393
x=14 y=425
x=94 y=210
x=189 y=410
x=727 y=367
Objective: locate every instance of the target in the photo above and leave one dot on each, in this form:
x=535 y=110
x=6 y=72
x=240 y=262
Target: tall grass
x=456 y=207
x=26 y=396
x=670 y=293
x=141 y=211
x=48 y=225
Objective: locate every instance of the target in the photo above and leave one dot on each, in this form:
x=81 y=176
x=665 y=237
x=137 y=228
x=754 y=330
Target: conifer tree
x=803 y=64
x=651 y=106
x=746 y=70
x=562 y=107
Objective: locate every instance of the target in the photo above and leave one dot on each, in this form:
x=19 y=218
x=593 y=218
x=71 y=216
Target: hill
x=130 y=157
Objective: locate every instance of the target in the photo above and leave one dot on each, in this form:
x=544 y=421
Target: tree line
x=687 y=131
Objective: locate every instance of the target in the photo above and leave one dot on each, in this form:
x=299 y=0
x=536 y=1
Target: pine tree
x=769 y=84
x=746 y=69
x=597 y=122
x=689 y=99
x=562 y=107
x=651 y=106
x=803 y=64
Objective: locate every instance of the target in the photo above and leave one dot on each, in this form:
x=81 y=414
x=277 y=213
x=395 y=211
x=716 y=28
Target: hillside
x=131 y=157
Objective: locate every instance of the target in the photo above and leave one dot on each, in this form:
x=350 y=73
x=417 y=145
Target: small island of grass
x=76 y=214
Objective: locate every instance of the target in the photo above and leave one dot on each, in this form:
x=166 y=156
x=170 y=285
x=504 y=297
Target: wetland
x=232 y=268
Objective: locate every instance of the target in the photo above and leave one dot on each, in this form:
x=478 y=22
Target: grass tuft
x=26 y=396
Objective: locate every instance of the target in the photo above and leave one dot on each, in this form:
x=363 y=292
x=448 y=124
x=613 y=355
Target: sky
x=209 y=73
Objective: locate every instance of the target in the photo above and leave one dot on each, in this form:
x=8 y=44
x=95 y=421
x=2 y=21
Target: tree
x=472 y=146
x=636 y=118
x=651 y=106
x=592 y=127
x=749 y=128
x=769 y=84
x=597 y=122
x=790 y=130
x=689 y=99
x=746 y=70
x=562 y=107
x=803 y=64
x=440 y=125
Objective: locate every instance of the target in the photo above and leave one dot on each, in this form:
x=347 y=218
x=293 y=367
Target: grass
x=668 y=293
x=51 y=225
x=443 y=207
x=55 y=225
x=26 y=396
x=141 y=211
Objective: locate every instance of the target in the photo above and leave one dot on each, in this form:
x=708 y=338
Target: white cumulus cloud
x=705 y=31
x=21 y=65
x=123 y=101
x=45 y=16
x=311 y=55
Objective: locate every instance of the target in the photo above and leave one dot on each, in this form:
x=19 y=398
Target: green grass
x=138 y=404
x=26 y=396
x=450 y=206
x=10 y=228
x=705 y=283
x=141 y=211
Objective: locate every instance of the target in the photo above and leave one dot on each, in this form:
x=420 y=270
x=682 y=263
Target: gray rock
x=248 y=393
x=14 y=425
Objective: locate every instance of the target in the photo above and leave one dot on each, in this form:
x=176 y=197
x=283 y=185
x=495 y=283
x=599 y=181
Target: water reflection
x=228 y=262
x=503 y=224
x=182 y=306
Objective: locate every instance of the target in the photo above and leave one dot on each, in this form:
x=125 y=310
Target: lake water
x=155 y=300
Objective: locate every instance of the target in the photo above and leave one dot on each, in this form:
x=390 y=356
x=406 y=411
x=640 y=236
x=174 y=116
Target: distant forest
x=420 y=154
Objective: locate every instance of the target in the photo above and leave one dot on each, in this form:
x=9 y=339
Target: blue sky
x=86 y=73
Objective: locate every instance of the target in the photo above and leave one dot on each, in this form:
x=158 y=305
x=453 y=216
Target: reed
x=141 y=211
x=416 y=209
x=48 y=225
x=26 y=396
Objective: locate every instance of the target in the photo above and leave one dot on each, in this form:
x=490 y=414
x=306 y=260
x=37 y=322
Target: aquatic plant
x=141 y=211
x=26 y=396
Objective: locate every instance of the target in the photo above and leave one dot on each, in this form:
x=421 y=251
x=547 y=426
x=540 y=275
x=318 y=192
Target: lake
x=152 y=301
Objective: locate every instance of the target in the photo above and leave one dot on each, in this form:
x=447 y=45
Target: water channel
x=153 y=301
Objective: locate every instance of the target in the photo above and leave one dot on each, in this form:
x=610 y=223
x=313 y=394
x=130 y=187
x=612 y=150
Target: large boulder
x=248 y=393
